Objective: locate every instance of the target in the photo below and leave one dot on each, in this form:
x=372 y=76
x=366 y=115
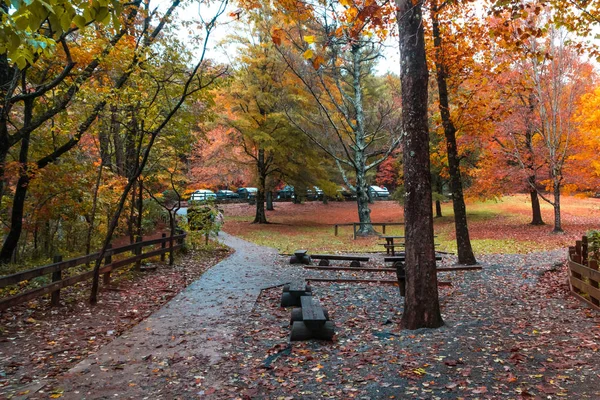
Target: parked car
x=286 y=193
x=203 y=195
x=227 y=194
x=346 y=194
x=247 y=192
x=314 y=194
x=378 y=192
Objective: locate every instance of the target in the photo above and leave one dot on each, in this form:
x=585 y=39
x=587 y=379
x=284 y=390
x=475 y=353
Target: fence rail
x=359 y=224
x=58 y=266
x=584 y=274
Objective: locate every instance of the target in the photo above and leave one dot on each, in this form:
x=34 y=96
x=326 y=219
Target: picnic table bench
x=315 y=323
x=293 y=291
x=325 y=258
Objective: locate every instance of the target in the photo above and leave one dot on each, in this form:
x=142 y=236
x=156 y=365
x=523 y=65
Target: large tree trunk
x=362 y=188
x=536 y=210
x=261 y=215
x=421 y=302
x=463 y=242
x=556 y=204
x=362 y=201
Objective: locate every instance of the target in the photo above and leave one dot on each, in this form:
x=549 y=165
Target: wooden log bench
x=292 y=293
x=325 y=258
x=300 y=257
x=314 y=324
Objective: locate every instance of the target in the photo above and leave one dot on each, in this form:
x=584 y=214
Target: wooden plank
x=46 y=269
x=38 y=292
x=35 y=293
x=384 y=281
x=297 y=287
x=311 y=312
x=584 y=271
x=339 y=257
x=595 y=307
x=584 y=287
x=440 y=269
x=402 y=258
x=325 y=268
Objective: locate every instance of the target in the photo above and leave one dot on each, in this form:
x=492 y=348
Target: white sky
x=221 y=52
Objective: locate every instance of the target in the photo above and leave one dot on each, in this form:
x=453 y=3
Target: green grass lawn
x=495 y=226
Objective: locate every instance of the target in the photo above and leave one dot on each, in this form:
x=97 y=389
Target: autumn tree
x=257 y=96
x=442 y=62
x=352 y=118
x=43 y=83
x=554 y=78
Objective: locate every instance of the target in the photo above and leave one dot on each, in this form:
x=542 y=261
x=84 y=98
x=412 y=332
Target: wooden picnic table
x=389 y=243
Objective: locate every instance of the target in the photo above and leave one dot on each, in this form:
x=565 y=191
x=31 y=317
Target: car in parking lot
x=227 y=194
x=247 y=192
x=203 y=195
x=314 y=194
x=286 y=193
x=378 y=192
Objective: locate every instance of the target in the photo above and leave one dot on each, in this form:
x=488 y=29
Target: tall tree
x=465 y=251
x=421 y=302
x=257 y=96
x=333 y=53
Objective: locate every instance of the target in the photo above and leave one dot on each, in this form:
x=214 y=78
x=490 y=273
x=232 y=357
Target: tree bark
x=362 y=188
x=140 y=207
x=536 y=210
x=438 y=209
x=421 y=302
x=270 y=201
x=16 y=218
x=463 y=242
x=556 y=204
x=261 y=216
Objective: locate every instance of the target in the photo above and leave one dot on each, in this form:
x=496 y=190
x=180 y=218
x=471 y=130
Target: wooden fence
x=58 y=266
x=354 y=226
x=584 y=276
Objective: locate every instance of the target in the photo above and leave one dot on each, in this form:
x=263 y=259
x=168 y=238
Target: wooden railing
x=58 y=266
x=354 y=225
x=584 y=276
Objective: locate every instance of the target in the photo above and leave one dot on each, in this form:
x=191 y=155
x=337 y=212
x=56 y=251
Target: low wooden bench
x=300 y=257
x=292 y=293
x=325 y=258
x=314 y=324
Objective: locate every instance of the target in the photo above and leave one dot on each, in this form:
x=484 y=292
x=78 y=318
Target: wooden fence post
x=383 y=228
x=593 y=264
x=56 y=276
x=163 y=246
x=138 y=251
x=584 y=250
x=336 y=229
x=107 y=261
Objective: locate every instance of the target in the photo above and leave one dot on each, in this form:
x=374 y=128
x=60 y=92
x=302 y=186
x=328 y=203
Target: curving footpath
x=191 y=329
